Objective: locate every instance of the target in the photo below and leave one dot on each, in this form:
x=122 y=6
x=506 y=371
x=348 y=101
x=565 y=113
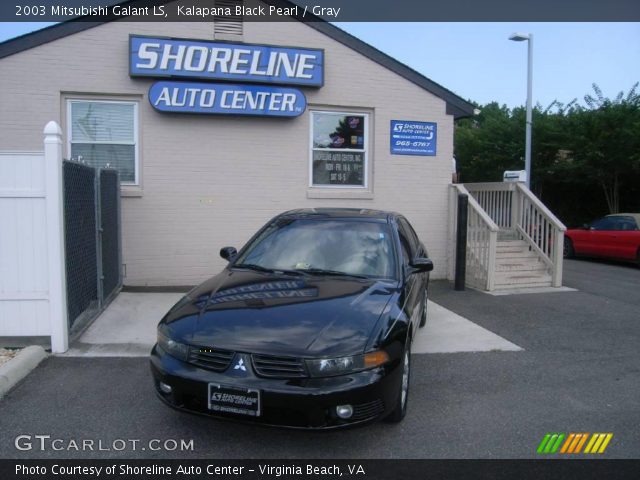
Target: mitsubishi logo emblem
x=240 y=366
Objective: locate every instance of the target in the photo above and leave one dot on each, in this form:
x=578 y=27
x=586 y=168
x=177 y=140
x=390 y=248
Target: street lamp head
x=519 y=37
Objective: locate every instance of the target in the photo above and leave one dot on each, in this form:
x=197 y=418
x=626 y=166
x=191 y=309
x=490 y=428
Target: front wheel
x=567 y=250
x=400 y=410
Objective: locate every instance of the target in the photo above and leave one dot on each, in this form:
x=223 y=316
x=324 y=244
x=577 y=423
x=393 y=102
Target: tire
x=400 y=409
x=567 y=250
x=423 y=314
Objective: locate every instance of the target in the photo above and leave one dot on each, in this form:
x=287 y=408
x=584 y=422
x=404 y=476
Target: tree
x=605 y=142
x=577 y=149
x=488 y=144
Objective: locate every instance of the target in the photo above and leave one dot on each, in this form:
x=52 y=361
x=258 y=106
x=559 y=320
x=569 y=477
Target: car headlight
x=329 y=367
x=173 y=348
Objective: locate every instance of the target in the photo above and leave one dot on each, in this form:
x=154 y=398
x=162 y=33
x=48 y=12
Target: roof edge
x=456 y=105
x=44 y=35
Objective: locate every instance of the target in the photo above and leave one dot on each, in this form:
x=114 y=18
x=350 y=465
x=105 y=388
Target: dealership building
x=215 y=127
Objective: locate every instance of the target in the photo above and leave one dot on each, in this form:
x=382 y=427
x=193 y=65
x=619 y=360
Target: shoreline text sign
x=210 y=60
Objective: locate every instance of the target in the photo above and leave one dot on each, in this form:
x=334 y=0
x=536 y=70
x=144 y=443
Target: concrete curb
x=19 y=367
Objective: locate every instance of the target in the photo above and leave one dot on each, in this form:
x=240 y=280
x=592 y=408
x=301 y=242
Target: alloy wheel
x=405 y=380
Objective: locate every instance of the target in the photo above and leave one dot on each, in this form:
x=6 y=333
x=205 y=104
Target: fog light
x=164 y=388
x=344 y=411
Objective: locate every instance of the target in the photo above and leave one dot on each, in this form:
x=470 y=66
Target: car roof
x=350 y=213
x=636 y=216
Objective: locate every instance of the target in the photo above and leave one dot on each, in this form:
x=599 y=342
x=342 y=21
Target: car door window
x=625 y=224
x=404 y=246
x=606 y=223
x=410 y=236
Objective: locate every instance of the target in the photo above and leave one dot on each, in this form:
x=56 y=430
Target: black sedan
x=310 y=325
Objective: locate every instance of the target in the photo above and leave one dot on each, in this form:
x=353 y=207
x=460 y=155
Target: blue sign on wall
x=164 y=57
x=218 y=98
x=413 y=138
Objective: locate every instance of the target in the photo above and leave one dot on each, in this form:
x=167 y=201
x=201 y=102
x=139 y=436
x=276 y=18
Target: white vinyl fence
x=32 y=263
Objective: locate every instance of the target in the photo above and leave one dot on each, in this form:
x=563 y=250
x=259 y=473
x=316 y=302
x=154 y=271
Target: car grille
x=278 y=367
x=210 y=358
x=365 y=411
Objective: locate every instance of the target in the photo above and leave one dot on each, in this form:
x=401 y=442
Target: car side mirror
x=421 y=264
x=586 y=226
x=228 y=253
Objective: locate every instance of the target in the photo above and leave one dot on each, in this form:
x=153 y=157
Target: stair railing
x=542 y=230
x=497 y=200
x=482 y=239
x=513 y=207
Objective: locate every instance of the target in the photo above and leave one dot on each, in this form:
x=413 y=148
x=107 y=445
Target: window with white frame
x=104 y=133
x=339 y=149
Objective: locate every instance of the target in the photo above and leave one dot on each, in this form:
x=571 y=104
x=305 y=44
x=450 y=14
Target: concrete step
x=519 y=279
x=515 y=254
x=517 y=265
x=504 y=234
x=520 y=265
x=509 y=252
x=518 y=286
x=512 y=244
x=526 y=258
x=512 y=241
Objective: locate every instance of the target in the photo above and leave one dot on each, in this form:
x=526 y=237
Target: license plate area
x=231 y=399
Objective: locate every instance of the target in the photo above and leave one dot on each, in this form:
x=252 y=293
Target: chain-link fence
x=80 y=239
x=110 y=219
x=92 y=239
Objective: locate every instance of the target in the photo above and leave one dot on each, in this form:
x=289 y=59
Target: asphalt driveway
x=579 y=372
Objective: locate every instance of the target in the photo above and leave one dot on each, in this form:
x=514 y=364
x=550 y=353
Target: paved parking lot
x=579 y=372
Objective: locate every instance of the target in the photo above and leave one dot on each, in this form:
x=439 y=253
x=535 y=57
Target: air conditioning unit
x=514 y=176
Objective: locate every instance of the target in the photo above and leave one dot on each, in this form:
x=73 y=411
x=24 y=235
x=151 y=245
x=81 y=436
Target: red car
x=614 y=236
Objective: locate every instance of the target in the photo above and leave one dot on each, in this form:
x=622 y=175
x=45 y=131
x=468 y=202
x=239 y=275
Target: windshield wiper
x=336 y=273
x=260 y=268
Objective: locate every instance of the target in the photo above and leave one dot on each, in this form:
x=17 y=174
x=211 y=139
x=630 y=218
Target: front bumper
x=296 y=403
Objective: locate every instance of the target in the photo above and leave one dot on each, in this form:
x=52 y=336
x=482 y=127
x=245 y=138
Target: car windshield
x=340 y=246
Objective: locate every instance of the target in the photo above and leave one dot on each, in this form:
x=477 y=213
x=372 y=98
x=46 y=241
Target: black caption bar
x=315 y=10
x=317 y=469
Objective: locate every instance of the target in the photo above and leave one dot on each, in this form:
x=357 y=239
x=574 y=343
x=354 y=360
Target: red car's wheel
x=567 y=250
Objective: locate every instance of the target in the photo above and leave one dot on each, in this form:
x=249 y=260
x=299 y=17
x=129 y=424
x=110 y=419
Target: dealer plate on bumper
x=229 y=399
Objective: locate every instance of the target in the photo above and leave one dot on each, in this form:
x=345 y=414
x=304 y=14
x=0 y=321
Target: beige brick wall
x=212 y=181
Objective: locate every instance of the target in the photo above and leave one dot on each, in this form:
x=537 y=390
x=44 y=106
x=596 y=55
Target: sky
x=479 y=63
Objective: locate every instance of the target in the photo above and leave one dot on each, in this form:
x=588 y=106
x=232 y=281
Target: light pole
x=520 y=37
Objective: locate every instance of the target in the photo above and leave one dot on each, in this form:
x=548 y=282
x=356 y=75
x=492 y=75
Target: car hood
x=281 y=314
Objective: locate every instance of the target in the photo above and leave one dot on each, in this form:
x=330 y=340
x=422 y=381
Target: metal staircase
x=513 y=240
